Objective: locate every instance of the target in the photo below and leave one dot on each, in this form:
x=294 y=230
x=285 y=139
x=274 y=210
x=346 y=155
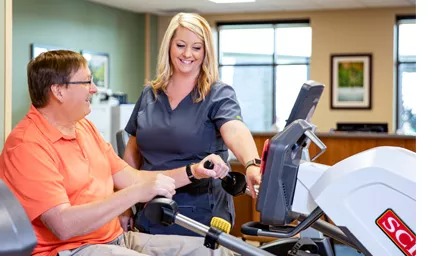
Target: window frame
x=398 y=63
x=275 y=24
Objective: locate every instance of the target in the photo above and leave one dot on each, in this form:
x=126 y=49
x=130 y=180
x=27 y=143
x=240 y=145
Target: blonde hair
x=209 y=71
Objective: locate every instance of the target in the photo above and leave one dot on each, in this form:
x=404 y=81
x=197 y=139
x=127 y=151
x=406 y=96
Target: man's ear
x=57 y=92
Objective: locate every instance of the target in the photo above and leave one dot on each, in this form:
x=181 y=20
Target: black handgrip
x=282 y=231
x=208 y=165
x=228 y=178
x=161 y=210
x=258 y=229
x=252 y=228
x=233 y=183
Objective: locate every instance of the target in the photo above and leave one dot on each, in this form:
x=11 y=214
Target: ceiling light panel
x=231 y=1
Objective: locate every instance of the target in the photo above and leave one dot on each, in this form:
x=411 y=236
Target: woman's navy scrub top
x=169 y=139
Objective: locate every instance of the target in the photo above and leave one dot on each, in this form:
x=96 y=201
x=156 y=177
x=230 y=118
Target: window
x=406 y=75
x=266 y=63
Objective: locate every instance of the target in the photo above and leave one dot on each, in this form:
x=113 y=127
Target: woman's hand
x=219 y=170
x=253 y=177
x=126 y=220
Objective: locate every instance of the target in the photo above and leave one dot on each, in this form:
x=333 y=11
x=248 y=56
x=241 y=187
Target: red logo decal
x=399 y=233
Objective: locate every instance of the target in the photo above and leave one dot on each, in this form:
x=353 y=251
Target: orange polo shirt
x=45 y=168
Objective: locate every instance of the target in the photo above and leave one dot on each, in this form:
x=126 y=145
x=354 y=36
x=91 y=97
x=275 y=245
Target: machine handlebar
x=164 y=211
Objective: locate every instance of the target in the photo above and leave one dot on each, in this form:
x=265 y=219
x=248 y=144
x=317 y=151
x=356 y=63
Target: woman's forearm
x=240 y=141
x=132 y=155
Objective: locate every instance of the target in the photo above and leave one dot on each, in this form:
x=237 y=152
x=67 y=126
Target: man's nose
x=93 y=89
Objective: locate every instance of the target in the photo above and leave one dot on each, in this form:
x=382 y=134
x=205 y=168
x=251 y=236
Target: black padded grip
x=208 y=165
x=250 y=228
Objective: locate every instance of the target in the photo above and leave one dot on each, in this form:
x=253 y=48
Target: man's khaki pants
x=137 y=244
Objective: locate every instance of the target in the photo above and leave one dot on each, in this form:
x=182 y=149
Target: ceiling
x=169 y=7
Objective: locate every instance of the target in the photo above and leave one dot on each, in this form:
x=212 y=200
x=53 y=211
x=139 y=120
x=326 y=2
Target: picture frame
x=37 y=49
x=99 y=65
x=351 y=81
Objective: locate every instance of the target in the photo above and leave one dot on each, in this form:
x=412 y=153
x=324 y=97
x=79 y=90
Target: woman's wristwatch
x=255 y=162
x=189 y=173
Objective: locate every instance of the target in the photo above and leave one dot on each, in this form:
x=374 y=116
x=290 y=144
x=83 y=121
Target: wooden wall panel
x=339 y=148
x=243 y=206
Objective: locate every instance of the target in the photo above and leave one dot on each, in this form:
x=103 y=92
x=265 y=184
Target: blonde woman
x=184 y=115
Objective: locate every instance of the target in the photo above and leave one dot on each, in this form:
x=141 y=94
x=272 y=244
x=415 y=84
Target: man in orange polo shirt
x=64 y=173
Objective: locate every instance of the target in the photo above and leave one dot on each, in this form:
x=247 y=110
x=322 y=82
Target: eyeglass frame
x=82 y=82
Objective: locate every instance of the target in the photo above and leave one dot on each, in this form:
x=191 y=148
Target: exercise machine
x=370 y=196
x=17 y=237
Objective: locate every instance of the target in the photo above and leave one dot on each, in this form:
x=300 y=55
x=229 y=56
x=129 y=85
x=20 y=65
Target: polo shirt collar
x=50 y=131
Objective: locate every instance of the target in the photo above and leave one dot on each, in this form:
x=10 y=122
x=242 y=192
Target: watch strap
x=189 y=173
x=255 y=162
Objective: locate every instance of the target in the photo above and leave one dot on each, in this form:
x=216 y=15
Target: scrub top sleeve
x=225 y=106
x=131 y=127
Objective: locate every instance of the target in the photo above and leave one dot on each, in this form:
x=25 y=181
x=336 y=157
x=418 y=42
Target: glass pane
x=289 y=80
x=407 y=98
x=246 y=45
x=253 y=87
x=293 y=44
x=406 y=42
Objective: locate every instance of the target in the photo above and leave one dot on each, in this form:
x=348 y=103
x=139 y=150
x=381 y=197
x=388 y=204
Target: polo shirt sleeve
x=35 y=178
x=116 y=163
x=131 y=127
x=224 y=105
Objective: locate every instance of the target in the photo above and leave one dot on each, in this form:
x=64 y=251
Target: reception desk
x=339 y=147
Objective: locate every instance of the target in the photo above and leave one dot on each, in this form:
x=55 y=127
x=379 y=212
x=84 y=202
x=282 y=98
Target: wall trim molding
x=8 y=68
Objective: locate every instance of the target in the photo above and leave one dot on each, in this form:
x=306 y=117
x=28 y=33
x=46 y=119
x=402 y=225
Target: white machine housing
x=371 y=194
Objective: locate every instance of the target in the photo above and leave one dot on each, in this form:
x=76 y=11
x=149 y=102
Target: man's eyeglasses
x=81 y=82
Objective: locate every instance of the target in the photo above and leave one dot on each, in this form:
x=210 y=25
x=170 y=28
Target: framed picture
x=37 y=49
x=351 y=78
x=99 y=65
